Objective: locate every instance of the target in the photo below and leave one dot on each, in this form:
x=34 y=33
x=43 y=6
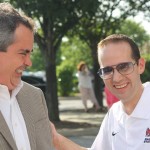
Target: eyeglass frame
x=115 y=67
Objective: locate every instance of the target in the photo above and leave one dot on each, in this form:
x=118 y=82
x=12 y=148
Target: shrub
x=65 y=80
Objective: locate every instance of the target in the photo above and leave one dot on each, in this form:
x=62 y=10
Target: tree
x=73 y=50
x=135 y=31
x=55 y=18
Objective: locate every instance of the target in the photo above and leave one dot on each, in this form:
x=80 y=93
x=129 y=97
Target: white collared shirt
x=11 y=112
x=120 y=131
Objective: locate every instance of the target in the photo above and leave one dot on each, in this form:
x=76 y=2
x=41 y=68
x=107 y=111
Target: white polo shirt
x=120 y=131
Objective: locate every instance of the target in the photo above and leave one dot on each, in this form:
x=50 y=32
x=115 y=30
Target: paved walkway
x=79 y=126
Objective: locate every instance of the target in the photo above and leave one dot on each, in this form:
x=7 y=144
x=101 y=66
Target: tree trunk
x=98 y=86
x=98 y=83
x=51 y=90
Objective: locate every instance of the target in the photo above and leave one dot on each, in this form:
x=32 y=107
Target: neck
x=10 y=92
x=131 y=104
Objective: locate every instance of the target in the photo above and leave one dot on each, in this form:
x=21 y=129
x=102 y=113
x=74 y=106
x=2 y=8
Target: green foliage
x=136 y=31
x=37 y=60
x=65 y=80
x=146 y=75
x=73 y=50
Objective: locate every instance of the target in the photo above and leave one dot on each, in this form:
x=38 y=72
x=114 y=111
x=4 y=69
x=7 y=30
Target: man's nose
x=116 y=75
x=28 y=61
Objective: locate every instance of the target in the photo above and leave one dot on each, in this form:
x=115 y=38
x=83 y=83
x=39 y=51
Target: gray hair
x=10 y=19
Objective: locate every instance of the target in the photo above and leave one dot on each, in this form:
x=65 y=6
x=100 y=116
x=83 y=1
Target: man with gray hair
x=24 y=121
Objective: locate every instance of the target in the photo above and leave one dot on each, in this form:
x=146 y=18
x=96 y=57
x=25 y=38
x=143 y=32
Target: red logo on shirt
x=148 y=132
x=147 y=136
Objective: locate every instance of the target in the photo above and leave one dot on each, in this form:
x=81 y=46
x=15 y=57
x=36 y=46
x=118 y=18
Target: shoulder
x=146 y=85
x=28 y=88
x=146 y=93
x=31 y=94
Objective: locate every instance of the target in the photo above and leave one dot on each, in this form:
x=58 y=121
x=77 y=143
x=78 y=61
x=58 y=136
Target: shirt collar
x=5 y=92
x=17 y=89
x=142 y=108
x=144 y=103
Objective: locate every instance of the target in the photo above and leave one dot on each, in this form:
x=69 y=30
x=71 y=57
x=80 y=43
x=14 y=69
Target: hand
x=55 y=135
x=62 y=143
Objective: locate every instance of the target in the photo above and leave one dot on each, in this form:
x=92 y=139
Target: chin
x=15 y=83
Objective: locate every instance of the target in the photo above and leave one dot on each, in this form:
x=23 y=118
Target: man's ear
x=141 y=65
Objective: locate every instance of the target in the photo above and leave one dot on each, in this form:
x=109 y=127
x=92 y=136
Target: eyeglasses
x=124 y=68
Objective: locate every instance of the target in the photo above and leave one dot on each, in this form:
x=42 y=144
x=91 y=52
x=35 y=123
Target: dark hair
x=10 y=19
x=122 y=38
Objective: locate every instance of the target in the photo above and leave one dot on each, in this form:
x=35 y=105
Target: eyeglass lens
x=123 y=68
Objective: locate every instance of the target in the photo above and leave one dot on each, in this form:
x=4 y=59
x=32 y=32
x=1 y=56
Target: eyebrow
x=26 y=50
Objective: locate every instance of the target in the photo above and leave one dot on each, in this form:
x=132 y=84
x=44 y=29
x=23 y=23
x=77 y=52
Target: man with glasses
x=127 y=124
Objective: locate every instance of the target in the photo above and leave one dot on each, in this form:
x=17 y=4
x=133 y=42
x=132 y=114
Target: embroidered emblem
x=147 y=136
x=148 y=132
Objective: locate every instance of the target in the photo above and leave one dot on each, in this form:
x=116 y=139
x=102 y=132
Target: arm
x=62 y=143
x=65 y=144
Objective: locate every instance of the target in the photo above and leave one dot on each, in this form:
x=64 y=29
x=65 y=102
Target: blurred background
x=68 y=32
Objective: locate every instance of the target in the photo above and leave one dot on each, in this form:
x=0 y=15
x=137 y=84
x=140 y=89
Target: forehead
x=114 y=53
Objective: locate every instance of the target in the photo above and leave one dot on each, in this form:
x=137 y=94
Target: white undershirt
x=11 y=112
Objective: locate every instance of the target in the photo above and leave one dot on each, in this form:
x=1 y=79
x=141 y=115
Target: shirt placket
x=17 y=130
